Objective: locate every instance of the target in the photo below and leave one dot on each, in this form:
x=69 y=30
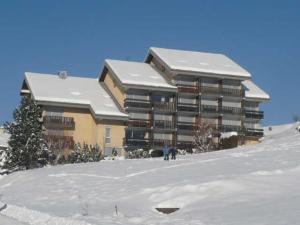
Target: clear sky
x=48 y=36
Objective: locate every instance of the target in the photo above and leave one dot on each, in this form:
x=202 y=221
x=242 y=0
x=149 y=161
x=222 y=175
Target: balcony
x=230 y=128
x=137 y=103
x=187 y=107
x=164 y=106
x=132 y=142
x=186 y=145
x=162 y=142
x=210 y=90
x=164 y=125
x=59 y=122
x=59 y=142
x=186 y=126
x=254 y=114
x=231 y=92
x=251 y=132
x=190 y=89
x=230 y=110
x=209 y=108
x=139 y=123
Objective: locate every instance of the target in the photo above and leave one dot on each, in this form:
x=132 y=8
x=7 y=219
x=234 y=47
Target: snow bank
x=228 y=134
x=249 y=185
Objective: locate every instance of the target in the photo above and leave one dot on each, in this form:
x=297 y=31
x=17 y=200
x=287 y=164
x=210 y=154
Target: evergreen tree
x=26 y=145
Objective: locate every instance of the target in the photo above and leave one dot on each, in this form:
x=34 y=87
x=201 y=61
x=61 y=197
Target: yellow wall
x=116 y=91
x=117 y=133
x=91 y=131
x=85 y=126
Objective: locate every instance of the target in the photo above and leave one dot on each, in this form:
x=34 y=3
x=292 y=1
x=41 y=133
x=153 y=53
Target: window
x=107 y=135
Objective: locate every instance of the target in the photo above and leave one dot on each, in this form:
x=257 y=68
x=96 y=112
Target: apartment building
x=149 y=104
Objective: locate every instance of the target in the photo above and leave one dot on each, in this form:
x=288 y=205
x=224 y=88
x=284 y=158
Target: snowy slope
x=247 y=185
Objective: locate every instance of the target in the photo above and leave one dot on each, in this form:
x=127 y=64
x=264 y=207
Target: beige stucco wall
x=114 y=88
x=117 y=133
x=91 y=131
x=85 y=126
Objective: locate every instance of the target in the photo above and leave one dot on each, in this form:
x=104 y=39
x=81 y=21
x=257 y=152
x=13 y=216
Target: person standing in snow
x=166 y=152
x=173 y=152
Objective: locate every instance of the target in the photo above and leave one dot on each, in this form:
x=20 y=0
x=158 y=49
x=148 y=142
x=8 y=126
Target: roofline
x=74 y=105
x=195 y=73
x=256 y=99
x=136 y=86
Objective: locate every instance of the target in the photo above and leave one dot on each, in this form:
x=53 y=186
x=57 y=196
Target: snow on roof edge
x=246 y=74
x=73 y=102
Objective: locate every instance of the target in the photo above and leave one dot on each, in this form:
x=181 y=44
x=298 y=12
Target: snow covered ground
x=246 y=185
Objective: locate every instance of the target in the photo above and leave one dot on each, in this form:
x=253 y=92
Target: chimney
x=62 y=74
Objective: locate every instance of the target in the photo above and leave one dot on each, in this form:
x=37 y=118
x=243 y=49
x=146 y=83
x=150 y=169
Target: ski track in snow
x=32 y=217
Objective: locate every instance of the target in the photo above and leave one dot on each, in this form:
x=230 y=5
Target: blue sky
x=48 y=36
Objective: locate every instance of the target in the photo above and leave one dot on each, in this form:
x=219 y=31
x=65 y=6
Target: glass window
x=107 y=135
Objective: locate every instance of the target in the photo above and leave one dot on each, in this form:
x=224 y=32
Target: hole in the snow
x=167 y=210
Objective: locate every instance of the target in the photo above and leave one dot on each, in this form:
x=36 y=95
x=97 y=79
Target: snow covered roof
x=201 y=62
x=253 y=91
x=4 y=137
x=137 y=73
x=86 y=92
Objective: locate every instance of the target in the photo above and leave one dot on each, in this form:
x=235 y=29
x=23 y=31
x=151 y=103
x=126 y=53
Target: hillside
x=246 y=185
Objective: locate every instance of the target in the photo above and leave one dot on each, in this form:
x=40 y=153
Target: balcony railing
x=59 y=142
x=210 y=90
x=59 y=122
x=137 y=142
x=187 y=107
x=230 y=110
x=164 y=106
x=254 y=114
x=209 y=108
x=251 y=132
x=231 y=92
x=229 y=128
x=137 y=103
x=184 y=88
x=164 y=124
x=162 y=142
x=186 y=126
x=222 y=91
x=139 y=123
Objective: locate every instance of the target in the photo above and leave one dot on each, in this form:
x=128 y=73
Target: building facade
x=149 y=104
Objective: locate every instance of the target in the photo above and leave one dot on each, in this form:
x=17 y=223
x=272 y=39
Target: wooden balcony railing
x=139 y=123
x=59 y=122
x=193 y=89
x=164 y=106
x=254 y=114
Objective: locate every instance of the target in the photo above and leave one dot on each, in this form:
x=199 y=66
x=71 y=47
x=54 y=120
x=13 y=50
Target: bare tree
x=203 y=136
